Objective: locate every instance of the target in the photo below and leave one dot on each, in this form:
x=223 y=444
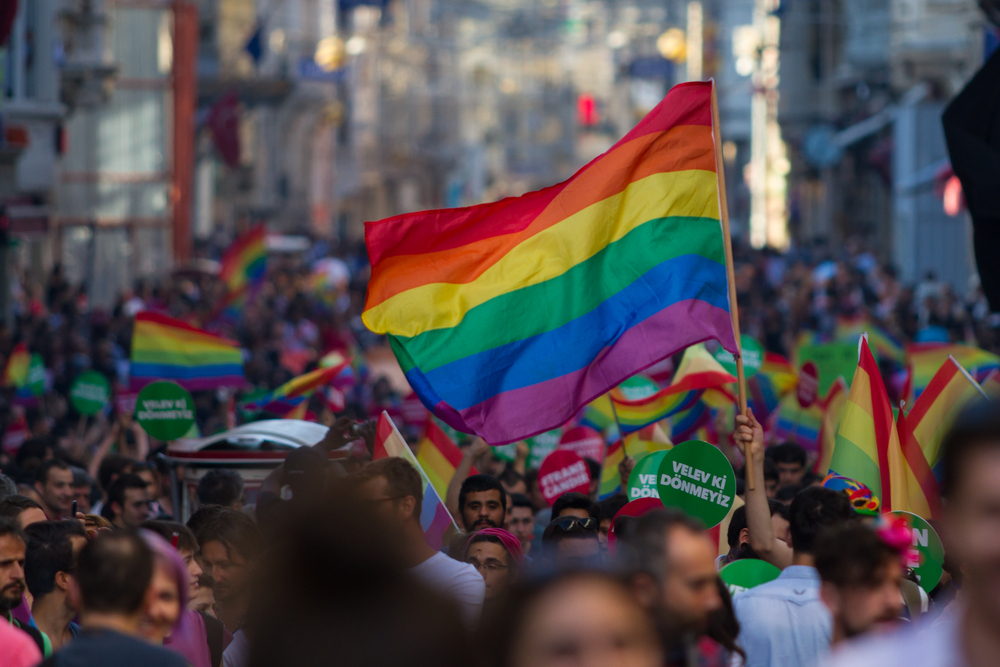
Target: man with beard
x=394 y=490
x=861 y=577
x=12 y=587
x=670 y=564
x=482 y=503
x=230 y=543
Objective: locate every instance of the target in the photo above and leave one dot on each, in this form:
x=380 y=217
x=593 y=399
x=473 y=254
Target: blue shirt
x=784 y=623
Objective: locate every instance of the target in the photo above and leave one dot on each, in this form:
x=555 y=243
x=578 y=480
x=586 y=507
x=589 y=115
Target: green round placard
x=542 y=445
x=753 y=356
x=642 y=480
x=90 y=392
x=746 y=573
x=697 y=478
x=928 y=545
x=165 y=410
x=36 y=375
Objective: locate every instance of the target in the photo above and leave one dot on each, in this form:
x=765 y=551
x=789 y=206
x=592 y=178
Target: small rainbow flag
x=439 y=456
x=637 y=445
x=435 y=519
x=833 y=412
x=164 y=348
x=927 y=358
x=290 y=399
x=244 y=264
x=685 y=425
x=797 y=424
x=634 y=415
x=699 y=370
x=15 y=372
x=933 y=413
x=509 y=317
x=848 y=329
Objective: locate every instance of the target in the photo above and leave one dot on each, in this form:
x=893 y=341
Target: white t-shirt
x=459 y=581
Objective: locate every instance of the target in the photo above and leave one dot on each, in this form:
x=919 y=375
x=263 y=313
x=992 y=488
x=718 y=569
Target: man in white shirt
x=395 y=488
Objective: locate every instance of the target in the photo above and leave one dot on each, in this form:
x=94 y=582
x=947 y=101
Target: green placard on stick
x=36 y=375
x=753 y=356
x=90 y=393
x=642 y=480
x=832 y=360
x=746 y=573
x=697 y=478
x=165 y=410
x=928 y=545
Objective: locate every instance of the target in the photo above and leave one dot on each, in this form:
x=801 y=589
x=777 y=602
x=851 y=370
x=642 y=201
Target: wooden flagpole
x=720 y=172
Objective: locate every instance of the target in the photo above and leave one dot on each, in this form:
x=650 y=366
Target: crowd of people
x=330 y=561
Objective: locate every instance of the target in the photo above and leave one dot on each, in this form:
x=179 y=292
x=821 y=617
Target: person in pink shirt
x=19 y=649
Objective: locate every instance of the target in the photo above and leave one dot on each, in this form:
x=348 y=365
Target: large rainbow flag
x=509 y=317
x=867 y=431
x=935 y=410
x=290 y=399
x=15 y=371
x=164 y=348
x=927 y=358
x=435 y=519
x=244 y=264
x=439 y=457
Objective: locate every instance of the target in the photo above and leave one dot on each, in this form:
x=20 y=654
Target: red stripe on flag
x=915 y=458
x=382 y=434
x=882 y=414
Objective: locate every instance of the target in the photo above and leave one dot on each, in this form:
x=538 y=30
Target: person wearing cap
x=496 y=553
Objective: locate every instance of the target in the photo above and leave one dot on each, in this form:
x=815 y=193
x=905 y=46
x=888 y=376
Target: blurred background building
x=138 y=135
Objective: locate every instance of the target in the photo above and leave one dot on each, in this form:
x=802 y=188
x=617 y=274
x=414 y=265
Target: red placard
x=585 y=441
x=808 y=384
x=636 y=507
x=561 y=472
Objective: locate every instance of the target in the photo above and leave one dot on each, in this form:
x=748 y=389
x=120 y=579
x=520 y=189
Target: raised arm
x=750 y=434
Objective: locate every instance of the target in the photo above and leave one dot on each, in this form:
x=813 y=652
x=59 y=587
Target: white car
x=253 y=450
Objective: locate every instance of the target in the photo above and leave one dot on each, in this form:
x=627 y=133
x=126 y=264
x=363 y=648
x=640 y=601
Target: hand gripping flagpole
x=731 y=276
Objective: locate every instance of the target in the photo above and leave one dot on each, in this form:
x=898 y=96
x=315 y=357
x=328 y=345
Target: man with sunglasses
x=572 y=540
x=394 y=490
x=128 y=502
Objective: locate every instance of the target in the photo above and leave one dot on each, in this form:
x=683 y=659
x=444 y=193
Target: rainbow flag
x=699 y=370
x=775 y=378
x=244 y=264
x=509 y=317
x=598 y=414
x=164 y=348
x=933 y=413
x=914 y=487
x=634 y=415
x=797 y=424
x=867 y=432
x=637 y=445
x=927 y=358
x=435 y=519
x=991 y=385
x=685 y=425
x=290 y=399
x=833 y=412
x=15 y=371
x=439 y=457
x=848 y=329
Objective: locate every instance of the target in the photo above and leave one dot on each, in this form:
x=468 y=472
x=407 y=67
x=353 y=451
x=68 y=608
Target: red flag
x=224 y=124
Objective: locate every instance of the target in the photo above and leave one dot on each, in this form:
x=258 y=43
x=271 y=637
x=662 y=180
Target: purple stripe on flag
x=502 y=419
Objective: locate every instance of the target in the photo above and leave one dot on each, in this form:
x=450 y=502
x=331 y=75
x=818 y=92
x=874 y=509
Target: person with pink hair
x=166 y=618
x=496 y=553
